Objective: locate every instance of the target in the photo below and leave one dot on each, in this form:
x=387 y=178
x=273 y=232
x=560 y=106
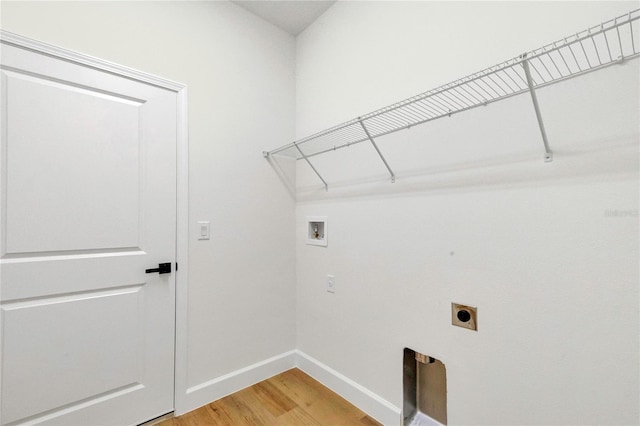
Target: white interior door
x=88 y=190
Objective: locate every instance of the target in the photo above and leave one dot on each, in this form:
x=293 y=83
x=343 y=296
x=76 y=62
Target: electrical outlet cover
x=331 y=283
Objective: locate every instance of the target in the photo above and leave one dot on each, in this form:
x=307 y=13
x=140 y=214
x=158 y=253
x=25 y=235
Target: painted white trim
x=369 y=402
x=212 y=390
x=182 y=258
x=17 y=40
x=182 y=164
x=219 y=387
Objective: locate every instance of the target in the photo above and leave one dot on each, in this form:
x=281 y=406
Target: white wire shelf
x=597 y=47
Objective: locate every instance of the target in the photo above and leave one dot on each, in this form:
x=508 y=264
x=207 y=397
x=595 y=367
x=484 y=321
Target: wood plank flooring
x=291 y=398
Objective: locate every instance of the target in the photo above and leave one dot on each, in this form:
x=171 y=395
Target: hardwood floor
x=291 y=398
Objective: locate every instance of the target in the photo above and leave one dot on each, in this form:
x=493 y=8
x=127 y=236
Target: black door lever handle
x=163 y=268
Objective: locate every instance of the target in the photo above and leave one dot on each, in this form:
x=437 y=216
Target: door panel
x=61 y=212
x=88 y=191
x=69 y=272
x=109 y=323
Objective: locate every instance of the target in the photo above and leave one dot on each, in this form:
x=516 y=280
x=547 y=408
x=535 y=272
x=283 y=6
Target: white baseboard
x=212 y=390
x=372 y=404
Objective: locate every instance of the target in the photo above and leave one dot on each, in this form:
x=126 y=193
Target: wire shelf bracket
x=548 y=154
x=393 y=176
x=612 y=42
x=326 y=187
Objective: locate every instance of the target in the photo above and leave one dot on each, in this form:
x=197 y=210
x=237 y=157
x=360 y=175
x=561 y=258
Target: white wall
x=240 y=75
x=476 y=216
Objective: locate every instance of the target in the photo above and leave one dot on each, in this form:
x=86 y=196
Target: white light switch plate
x=203 y=230
x=331 y=283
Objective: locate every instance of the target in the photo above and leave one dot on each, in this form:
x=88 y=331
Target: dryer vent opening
x=424 y=390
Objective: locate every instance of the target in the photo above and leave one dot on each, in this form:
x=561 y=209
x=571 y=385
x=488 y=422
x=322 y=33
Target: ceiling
x=290 y=15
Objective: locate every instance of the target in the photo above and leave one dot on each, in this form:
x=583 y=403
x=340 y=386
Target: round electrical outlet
x=464 y=316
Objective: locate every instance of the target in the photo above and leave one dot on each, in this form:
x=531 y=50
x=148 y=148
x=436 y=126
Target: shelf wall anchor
x=326 y=187
x=548 y=154
x=393 y=176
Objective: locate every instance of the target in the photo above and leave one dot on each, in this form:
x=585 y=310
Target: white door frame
x=182 y=160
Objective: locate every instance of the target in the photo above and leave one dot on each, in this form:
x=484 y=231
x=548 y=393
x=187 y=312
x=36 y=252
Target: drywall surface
x=548 y=252
x=240 y=76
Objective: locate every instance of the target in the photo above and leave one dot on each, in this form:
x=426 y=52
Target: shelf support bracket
x=326 y=187
x=548 y=154
x=393 y=176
